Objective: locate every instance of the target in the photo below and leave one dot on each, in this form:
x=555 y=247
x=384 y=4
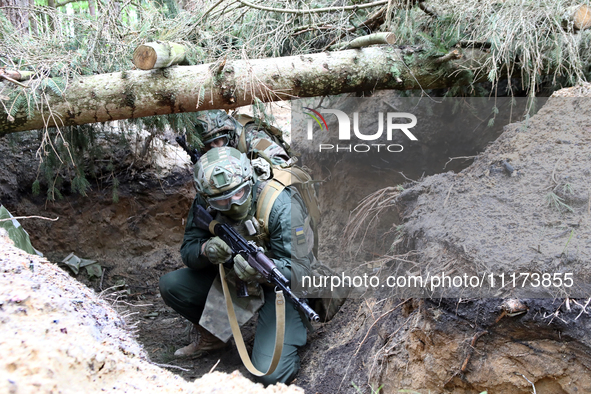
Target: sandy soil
x=59 y=336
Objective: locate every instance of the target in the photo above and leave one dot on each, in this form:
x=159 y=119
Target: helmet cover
x=222 y=173
x=215 y=124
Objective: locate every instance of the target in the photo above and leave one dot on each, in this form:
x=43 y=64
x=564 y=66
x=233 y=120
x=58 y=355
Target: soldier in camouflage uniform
x=226 y=182
x=218 y=129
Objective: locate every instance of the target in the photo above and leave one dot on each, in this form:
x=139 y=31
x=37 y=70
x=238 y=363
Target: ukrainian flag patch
x=300 y=236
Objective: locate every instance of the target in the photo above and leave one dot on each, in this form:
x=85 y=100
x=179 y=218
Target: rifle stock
x=252 y=254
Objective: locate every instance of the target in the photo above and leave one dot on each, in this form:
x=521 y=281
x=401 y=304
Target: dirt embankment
x=59 y=336
x=522 y=206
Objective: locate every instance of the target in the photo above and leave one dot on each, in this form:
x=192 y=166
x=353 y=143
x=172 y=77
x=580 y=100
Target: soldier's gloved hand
x=217 y=251
x=245 y=272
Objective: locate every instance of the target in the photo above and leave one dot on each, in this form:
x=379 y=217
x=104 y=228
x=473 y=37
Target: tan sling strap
x=265 y=202
x=243 y=119
x=242 y=142
x=279 y=334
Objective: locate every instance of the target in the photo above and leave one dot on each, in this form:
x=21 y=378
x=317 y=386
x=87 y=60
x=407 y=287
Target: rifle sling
x=279 y=334
x=212 y=226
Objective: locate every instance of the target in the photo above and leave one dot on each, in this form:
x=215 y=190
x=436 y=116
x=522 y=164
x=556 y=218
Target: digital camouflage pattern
x=246 y=134
x=260 y=144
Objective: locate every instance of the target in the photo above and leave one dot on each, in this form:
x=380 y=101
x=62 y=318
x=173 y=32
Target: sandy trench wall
x=481 y=218
x=59 y=336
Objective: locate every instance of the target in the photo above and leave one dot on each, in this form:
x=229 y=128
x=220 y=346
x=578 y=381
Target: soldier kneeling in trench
x=226 y=183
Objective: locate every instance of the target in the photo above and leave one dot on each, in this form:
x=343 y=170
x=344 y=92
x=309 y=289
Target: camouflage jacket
x=286 y=245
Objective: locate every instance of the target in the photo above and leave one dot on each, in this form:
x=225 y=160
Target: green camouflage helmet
x=221 y=174
x=215 y=124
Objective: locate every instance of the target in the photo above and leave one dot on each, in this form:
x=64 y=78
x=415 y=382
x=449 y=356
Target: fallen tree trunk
x=137 y=93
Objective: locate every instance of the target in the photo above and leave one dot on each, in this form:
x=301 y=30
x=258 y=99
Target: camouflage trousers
x=186 y=291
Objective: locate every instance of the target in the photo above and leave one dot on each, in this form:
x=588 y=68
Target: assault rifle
x=251 y=253
x=195 y=155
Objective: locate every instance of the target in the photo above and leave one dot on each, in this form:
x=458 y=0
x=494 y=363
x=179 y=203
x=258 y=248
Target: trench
x=137 y=240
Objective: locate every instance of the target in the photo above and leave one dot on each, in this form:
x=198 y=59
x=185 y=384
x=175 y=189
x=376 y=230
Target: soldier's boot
x=205 y=341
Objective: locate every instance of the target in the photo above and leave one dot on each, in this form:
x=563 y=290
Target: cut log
x=373 y=39
x=578 y=16
x=158 y=55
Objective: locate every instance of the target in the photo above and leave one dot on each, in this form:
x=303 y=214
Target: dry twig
x=28 y=217
x=315 y=10
x=464 y=366
x=583 y=309
x=530 y=382
x=215 y=365
x=172 y=366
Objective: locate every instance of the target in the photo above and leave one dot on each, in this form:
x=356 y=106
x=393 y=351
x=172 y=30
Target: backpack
x=302 y=181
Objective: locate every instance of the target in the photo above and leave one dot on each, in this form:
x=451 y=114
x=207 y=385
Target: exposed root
x=530 y=382
x=377 y=320
x=367 y=213
x=464 y=367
